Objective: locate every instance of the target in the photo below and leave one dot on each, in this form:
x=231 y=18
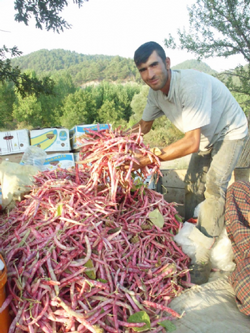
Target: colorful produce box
x=79 y=130
x=51 y=139
x=14 y=142
x=59 y=160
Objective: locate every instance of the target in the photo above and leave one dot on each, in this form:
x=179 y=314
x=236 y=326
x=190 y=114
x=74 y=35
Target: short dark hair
x=145 y=50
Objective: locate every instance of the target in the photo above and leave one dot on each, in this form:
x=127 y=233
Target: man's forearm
x=144 y=125
x=187 y=145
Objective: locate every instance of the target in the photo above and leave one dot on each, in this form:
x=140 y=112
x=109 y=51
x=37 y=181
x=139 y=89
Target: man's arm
x=187 y=145
x=145 y=126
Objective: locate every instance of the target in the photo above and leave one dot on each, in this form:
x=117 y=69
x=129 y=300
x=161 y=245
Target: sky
x=108 y=27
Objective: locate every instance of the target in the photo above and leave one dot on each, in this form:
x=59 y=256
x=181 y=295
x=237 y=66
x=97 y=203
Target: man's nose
x=150 y=73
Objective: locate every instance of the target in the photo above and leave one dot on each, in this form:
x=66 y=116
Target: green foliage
x=108 y=113
x=217 y=28
x=244 y=101
x=25 y=84
x=46 y=13
x=85 y=69
x=7 y=98
x=82 y=68
x=28 y=110
x=138 y=104
x=238 y=81
x=103 y=103
x=43 y=110
x=79 y=108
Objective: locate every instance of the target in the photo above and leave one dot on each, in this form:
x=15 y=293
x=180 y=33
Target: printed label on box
x=13 y=142
x=50 y=139
x=54 y=161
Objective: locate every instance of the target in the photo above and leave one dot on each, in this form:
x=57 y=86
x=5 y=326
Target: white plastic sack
x=222 y=253
x=182 y=239
x=15 y=180
x=192 y=240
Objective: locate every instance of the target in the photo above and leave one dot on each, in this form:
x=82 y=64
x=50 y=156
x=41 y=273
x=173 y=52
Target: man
x=213 y=124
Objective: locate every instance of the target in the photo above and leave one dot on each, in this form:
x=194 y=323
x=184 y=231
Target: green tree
x=48 y=111
x=138 y=104
x=219 y=28
x=79 y=108
x=7 y=98
x=45 y=12
x=63 y=87
x=25 y=84
x=28 y=111
x=108 y=114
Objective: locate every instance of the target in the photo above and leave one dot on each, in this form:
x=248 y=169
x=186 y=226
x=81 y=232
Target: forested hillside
x=82 y=68
x=88 y=68
x=87 y=89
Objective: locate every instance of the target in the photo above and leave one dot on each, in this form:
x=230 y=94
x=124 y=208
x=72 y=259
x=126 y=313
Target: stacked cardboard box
x=13 y=144
x=63 y=160
x=60 y=144
x=55 y=142
x=50 y=139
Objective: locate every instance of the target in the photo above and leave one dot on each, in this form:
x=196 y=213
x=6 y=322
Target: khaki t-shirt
x=198 y=100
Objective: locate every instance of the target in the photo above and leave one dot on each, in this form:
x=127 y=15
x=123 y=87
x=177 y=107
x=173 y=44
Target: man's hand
x=143 y=161
x=140 y=161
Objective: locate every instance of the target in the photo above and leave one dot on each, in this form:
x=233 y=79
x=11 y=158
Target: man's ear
x=168 y=63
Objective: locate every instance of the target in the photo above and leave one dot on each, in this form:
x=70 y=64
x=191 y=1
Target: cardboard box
x=51 y=139
x=79 y=130
x=14 y=142
x=62 y=160
x=14 y=158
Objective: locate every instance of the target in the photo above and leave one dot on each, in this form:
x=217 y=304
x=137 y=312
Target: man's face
x=154 y=72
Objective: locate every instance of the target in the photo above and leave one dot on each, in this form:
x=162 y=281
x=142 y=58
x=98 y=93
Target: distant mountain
x=89 y=68
x=54 y=60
